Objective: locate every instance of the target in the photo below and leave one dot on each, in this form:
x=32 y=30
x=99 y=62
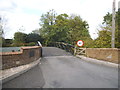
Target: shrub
x=31 y=44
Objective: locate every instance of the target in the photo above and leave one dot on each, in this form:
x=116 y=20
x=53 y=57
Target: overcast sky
x=27 y=13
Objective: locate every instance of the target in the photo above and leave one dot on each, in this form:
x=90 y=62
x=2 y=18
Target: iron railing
x=69 y=48
x=65 y=46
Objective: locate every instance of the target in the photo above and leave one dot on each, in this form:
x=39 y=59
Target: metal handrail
x=69 y=48
x=64 y=46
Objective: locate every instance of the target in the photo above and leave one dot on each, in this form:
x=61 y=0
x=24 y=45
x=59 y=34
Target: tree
x=78 y=29
x=6 y=42
x=20 y=37
x=104 y=39
x=33 y=37
x=107 y=19
x=47 y=24
x=63 y=28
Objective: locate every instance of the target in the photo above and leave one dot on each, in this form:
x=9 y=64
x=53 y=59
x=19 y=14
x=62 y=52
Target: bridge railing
x=65 y=46
x=105 y=54
x=69 y=48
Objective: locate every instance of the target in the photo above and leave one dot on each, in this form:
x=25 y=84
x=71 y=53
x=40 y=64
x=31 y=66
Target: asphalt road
x=30 y=79
x=59 y=69
x=62 y=70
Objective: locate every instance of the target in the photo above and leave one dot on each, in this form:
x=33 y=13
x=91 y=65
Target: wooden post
x=75 y=50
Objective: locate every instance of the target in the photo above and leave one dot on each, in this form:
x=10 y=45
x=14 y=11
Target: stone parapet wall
x=106 y=54
x=25 y=56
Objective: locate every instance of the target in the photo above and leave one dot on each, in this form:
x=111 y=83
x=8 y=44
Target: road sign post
x=79 y=43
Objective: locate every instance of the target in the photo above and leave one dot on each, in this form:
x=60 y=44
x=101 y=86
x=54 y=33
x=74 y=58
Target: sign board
x=80 y=43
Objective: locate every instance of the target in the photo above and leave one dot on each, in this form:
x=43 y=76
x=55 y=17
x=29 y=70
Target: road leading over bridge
x=62 y=70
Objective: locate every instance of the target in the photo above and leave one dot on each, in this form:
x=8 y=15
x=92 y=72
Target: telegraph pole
x=119 y=23
x=113 y=26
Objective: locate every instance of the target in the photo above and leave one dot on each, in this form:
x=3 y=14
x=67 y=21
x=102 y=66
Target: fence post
x=75 y=50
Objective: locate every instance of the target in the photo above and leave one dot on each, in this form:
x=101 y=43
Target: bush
x=23 y=44
x=18 y=44
x=31 y=44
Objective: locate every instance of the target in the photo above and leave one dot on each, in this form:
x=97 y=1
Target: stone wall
x=25 y=56
x=106 y=54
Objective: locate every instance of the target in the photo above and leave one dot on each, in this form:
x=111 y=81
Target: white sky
x=27 y=13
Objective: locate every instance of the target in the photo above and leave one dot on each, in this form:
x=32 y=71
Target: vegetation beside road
x=22 y=39
x=65 y=28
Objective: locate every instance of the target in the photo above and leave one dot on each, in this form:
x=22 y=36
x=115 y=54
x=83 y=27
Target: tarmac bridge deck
x=60 y=69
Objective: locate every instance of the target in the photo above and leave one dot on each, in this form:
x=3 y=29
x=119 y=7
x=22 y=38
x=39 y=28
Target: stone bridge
x=60 y=69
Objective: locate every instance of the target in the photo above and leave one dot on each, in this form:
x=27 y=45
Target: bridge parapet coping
x=25 y=56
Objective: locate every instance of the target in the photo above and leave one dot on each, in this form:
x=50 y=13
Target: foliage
x=47 y=24
x=2 y=42
x=33 y=37
x=63 y=28
x=60 y=28
x=7 y=42
x=104 y=39
x=18 y=44
x=107 y=19
x=68 y=29
x=20 y=37
x=78 y=29
x=31 y=44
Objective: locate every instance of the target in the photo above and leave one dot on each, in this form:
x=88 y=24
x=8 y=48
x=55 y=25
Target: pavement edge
x=101 y=62
x=17 y=71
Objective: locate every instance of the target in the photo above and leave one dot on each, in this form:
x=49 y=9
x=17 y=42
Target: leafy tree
x=78 y=29
x=47 y=24
x=20 y=37
x=33 y=37
x=104 y=39
x=63 y=28
x=107 y=19
x=2 y=42
x=7 y=42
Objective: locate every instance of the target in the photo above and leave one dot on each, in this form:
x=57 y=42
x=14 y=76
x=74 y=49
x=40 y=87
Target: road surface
x=59 y=69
